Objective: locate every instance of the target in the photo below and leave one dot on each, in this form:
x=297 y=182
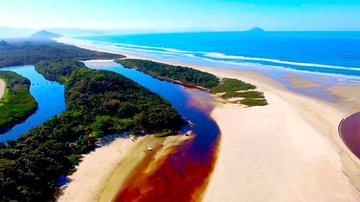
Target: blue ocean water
x=322 y=52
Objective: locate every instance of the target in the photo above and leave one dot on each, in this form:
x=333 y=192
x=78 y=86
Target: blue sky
x=183 y=15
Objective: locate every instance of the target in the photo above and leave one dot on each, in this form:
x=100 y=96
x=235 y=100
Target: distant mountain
x=256 y=30
x=3 y=44
x=44 y=35
x=75 y=31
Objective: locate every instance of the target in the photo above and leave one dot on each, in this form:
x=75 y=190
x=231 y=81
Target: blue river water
x=49 y=96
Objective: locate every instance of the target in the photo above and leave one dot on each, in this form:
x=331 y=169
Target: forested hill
x=98 y=103
x=25 y=53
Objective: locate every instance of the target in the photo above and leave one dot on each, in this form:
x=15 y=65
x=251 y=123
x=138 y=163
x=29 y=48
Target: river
x=183 y=175
x=49 y=96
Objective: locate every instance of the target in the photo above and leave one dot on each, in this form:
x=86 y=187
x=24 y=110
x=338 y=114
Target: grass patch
x=232 y=85
x=253 y=102
x=245 y=94
x=163 y=134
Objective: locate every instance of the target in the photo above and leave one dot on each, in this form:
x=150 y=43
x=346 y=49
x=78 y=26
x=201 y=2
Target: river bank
x=288 y=150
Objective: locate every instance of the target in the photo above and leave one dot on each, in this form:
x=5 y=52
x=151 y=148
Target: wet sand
x=298 y=82
x=2 y=88
x=347 y=95
x=289 y=150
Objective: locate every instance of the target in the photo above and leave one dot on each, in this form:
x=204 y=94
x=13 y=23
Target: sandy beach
x=2 y=88
x=102 y=172
x=289 y=150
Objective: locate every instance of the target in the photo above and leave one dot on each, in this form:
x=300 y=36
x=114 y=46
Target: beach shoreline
x=287 y=150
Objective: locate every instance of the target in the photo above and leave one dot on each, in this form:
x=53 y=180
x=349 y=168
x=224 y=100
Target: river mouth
x=183 y=174
x=49 y=95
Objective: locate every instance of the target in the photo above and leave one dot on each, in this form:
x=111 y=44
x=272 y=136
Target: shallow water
x=49 y=96
x=185 y=172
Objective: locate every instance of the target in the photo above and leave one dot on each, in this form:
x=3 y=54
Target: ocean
x=327 y=52
x=326 y=57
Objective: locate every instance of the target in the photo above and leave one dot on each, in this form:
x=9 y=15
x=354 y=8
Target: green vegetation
x=164 y=134
x=229 y=88
x=24 y=53
x=17 y=103
x=243 y=94
x=253 y=102
x=173 y=73
x=232 y=85
x=98 y=103
x=233 y=88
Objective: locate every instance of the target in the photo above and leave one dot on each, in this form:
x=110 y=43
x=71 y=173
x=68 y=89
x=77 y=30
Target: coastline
x=289 y=149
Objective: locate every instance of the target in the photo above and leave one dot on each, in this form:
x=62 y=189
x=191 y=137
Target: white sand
x=287 y=151
x=2 y=88
x=95 y=169
x=102 y=173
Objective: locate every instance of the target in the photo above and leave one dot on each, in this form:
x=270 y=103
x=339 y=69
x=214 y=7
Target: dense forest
x=17 y=103
x=184 y=75
x=228 y=88
x=26 y=52
x=98 y=103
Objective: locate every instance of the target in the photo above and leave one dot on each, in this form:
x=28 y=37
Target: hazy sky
x=177 y=15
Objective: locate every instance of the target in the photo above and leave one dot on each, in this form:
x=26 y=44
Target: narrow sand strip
x=2 y=88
